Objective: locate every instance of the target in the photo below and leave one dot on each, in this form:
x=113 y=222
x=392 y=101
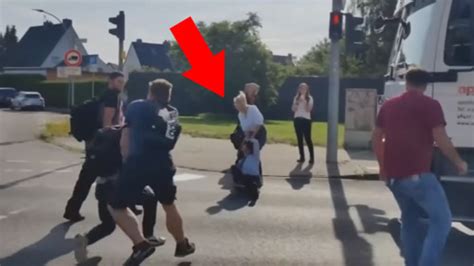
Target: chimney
x=67 y=23
x=167 y=45
x=139 y=41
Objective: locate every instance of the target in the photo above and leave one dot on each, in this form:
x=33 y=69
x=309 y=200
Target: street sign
x=73 y=58
x=66 y=72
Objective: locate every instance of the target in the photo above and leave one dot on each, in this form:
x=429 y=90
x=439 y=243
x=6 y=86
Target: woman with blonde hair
x=302 y=108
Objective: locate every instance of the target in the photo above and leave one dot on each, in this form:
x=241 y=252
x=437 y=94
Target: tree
x=247 y=60
x=375 y=60
x=8 y=40
x=317 y=61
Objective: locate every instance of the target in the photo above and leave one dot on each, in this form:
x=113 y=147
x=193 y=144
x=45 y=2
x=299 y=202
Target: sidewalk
x=279 y=160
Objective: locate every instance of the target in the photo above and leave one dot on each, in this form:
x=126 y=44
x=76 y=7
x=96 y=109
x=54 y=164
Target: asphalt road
x=296 y=222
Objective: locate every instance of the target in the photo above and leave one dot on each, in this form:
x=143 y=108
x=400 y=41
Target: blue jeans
x=414 y=195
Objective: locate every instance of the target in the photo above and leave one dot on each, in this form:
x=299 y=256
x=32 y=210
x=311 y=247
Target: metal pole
x=73 y=92
x=333 y=111
x=120 y=55
x=93 y=84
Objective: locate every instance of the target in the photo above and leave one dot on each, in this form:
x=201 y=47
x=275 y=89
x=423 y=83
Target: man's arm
x=378 y=148
x=108 y=116
x=447 y=148
x=124 y=143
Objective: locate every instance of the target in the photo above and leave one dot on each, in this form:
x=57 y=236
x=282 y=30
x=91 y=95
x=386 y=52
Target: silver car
x=28 y=100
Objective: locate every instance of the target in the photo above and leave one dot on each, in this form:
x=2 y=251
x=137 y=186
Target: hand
x=462 y=167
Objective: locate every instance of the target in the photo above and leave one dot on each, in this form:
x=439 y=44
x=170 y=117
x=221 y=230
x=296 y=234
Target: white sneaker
x=80 y=251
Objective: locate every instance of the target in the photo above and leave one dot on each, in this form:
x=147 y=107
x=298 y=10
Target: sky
x=289 y=26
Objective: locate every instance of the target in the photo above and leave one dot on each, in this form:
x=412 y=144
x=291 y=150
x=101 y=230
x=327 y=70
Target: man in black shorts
x=151 y=132
x=110 y=114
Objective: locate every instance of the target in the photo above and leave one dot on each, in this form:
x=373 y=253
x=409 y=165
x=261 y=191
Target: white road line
x=373 y=168
x=64 y=171
x=2 y=217
x=50 y=162
x=187 y=177
x=16 y=161
x=17 y=211
x=25 y=170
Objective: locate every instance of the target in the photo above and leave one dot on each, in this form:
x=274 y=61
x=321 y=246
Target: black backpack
x=84 y=120
x=104 y=151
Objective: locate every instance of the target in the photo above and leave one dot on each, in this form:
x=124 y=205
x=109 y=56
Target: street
x=296 y=222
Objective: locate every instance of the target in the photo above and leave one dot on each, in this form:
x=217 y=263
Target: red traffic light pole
x=334 y=83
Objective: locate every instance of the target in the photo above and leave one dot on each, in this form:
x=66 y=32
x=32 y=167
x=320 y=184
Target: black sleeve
x=110 y=99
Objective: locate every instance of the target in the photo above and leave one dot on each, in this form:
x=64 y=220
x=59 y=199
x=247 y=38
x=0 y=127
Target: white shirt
x=251 y=119
x=303 y=108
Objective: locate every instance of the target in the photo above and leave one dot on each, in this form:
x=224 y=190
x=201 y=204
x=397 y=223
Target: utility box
x=361 y=108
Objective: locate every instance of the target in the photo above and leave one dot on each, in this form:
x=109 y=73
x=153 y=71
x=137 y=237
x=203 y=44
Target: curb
x=355 y=177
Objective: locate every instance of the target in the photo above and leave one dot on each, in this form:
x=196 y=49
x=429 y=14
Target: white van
x=438 y=36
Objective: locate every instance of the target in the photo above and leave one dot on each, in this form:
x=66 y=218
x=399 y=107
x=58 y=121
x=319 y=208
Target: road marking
x=25 y=170
x=17 y=211
x=64 y=171
x=2 y=217
x=187 y=177
x=16 y=161
x=373 y=168
x=50 y=162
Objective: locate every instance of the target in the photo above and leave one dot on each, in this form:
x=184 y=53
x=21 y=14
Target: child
x=247 y=170
x=104 y=189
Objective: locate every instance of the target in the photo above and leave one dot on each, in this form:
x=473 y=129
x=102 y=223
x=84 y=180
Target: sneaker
x=73 y=217
x=80 y=250
x=156 y=242
x=185 y=248
x=140 y=252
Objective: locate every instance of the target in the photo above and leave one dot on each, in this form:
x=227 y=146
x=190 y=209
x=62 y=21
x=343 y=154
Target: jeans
x=303 y=130
x=414 y=195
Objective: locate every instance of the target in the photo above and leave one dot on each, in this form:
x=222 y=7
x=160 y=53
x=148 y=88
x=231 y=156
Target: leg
x=86 y=178
x=105 y=228
x=130 y=185
x=299 y=137
x=308 y=138
x=174 y=222
x=149 y=216
x=431 y=197
x=411 y=231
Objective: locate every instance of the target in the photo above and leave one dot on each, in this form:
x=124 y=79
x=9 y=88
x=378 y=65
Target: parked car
x=28 y=100
x=6 y=95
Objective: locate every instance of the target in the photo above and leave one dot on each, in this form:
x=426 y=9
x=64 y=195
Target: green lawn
x=215 y=126
x=220 y=127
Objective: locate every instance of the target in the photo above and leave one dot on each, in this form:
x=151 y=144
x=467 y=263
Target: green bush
x=20 y=82
x=57 y=94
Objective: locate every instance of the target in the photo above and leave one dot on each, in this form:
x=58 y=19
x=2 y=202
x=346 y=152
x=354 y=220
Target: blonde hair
x=240 y=100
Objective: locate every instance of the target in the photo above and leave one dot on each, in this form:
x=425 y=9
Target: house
x=142 y=56
x=42 y=49
x=286 y=60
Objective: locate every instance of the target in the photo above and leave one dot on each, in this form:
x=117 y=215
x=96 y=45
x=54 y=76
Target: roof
x=283 y=59
x=35 y=46
x=153 y=55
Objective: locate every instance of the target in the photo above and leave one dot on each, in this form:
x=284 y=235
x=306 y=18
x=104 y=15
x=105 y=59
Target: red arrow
x=207 y=70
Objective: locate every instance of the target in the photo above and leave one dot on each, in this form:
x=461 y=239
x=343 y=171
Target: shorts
x=136 y=174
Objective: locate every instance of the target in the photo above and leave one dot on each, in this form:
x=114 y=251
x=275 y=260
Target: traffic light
x=119 y=31
x=355 y=35
x=335 y=26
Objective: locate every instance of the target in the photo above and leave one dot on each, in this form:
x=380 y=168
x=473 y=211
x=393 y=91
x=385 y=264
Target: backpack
x=84 y=120
x=104 y=151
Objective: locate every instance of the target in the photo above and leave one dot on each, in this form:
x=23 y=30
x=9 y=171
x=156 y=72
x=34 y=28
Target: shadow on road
x=458 y=250
x=232 y=202
x=50 y=247
x=356 y=250
x=300 y=177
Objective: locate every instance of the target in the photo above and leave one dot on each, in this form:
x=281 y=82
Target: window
x=32 y=96
x=459 y=49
